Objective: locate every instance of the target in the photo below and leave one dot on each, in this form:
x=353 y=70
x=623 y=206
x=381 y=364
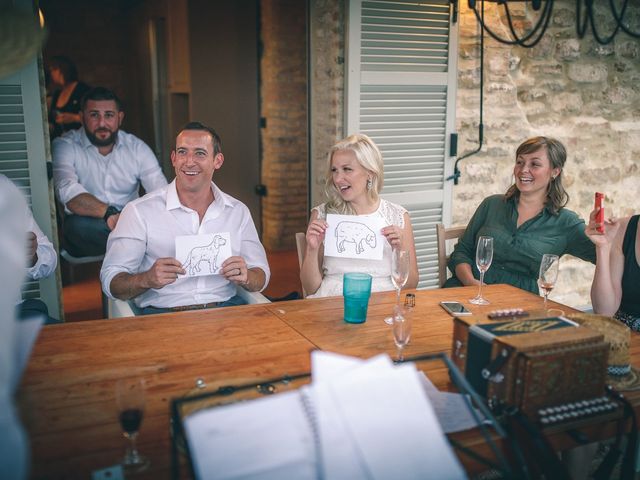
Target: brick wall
x=327 y=54
x=283 y=71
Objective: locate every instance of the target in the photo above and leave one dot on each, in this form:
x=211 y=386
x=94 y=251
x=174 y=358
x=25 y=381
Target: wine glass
x=401 y=329
x=549 y=267
x=484 y=257
x=399 y=274
x=130 y=399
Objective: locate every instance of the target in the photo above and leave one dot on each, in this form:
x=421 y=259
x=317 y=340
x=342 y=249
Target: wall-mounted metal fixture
x=585 y=17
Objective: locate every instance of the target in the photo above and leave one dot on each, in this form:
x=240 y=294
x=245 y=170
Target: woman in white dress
x=354 y=180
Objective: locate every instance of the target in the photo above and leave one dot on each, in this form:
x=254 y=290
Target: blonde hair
x=369 y=157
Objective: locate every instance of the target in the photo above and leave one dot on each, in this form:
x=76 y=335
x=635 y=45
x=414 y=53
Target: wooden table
x=67 y=395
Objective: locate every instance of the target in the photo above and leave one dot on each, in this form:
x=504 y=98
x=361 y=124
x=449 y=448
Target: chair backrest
x=301 y=245
x=443 y=234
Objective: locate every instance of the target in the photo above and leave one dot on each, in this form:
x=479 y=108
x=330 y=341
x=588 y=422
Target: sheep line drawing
x=205 y=253
x=357 y=233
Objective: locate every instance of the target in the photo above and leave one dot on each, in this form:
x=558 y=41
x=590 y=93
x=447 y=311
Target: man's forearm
x=255 y=279
x=126 y=286
x=87 y=205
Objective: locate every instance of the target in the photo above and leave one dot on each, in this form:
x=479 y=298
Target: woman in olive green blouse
x=525 y=223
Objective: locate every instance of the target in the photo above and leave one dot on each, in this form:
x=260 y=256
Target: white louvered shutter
x=22 y=159
x=401 y=89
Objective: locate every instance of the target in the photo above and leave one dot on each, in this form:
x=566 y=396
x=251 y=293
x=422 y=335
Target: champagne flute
x=130 y=399
x=484 y=257
x=399 y=275
x=401 y=329
x=549 y=267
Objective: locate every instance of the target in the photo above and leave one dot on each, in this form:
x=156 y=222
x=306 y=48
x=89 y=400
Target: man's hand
x=235 y=270
x=112 y=221
x=32 y=249
x=163 y=272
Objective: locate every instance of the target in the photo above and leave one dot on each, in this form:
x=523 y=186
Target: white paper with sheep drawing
x=354 y=236
x=203 y=254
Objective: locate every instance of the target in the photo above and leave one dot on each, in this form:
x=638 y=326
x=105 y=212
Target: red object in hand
x=600 y=215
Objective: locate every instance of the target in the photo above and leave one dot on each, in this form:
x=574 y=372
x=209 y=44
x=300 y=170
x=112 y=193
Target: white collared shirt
x=147 y=229
x=78 y=167
x=47 y=256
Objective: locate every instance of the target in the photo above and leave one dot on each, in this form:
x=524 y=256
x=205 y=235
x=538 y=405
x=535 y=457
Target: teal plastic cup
x=356 y=290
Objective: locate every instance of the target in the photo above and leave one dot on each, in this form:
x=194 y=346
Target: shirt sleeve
x=579 y=245
x=252 y=249
x=464 y=251
x=126 y=247
x=151 y=175
x=47 y=257
x=65 y=178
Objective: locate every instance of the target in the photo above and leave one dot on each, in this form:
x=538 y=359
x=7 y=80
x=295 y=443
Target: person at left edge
x=97 y=170
x=42 y=258
x=140 y=263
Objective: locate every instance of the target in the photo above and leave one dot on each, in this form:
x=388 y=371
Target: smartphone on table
x=599 y=203
x=455 y=308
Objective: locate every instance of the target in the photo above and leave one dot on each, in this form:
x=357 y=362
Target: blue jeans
x=232 y=302
x=85 y=236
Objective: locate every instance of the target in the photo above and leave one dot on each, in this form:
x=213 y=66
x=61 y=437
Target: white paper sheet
x=267 y=438
x=354 y=236
x=203 y=254
x=392 y=424
x=450 y=408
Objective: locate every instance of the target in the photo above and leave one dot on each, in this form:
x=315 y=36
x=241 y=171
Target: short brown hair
x=215 y=138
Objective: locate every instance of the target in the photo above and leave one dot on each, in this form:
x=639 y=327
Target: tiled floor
x=82 y=300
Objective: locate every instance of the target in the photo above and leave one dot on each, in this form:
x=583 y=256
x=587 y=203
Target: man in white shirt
x=40 y=254
x=97 y=170
x=140 y=262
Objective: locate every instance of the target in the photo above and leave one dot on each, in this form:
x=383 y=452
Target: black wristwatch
x=111 y=210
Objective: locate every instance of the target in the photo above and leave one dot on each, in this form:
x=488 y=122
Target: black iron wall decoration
x=585 y=18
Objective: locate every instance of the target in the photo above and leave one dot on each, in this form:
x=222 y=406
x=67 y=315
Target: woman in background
x=616 y=283
x=526 y=222
x=64 y=111
x=353 y=183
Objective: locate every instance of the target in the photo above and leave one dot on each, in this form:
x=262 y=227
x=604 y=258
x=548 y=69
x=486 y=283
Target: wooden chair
x=443 y=234
x=301 y=245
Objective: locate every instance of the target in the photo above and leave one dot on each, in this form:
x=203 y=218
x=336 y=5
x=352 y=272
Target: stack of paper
x=358 y=419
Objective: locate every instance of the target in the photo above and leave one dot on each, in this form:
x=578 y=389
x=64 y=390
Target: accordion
x=551 y=369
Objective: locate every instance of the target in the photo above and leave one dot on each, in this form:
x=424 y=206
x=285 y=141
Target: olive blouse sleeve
x=464 y=251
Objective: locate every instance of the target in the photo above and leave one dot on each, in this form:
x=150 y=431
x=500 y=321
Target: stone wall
x=284 y=106
x=585 y=94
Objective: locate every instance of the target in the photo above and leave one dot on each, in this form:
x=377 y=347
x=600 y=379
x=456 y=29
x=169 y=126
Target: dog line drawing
x=205 y=253
x=354 y=232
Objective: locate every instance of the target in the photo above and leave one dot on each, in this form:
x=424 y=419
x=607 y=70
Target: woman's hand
x=393 y=234
x=610 y=225
x=315 y=233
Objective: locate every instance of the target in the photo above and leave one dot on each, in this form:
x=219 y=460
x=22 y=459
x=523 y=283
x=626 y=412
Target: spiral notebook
x=357 y=419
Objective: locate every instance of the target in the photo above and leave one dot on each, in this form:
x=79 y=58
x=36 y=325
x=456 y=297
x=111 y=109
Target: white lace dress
x=333 y=268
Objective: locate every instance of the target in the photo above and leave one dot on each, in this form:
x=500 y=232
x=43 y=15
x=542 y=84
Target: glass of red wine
x=130 y=399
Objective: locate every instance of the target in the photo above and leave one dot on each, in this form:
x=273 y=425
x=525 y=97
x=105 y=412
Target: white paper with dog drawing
x=203 y=254
x=354 y=236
